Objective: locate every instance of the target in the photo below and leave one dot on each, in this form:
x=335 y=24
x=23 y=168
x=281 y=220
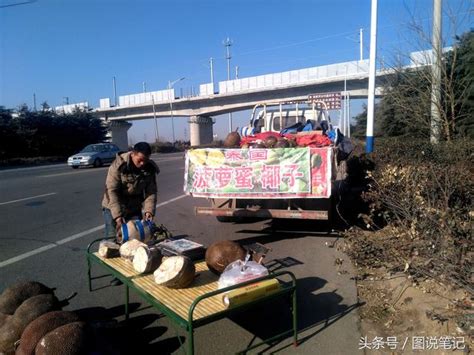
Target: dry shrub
x=167 y=147
x=424 y=195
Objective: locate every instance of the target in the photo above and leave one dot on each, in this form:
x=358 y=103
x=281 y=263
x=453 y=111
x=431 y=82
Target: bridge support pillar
x=118 y=131
x=200 y=129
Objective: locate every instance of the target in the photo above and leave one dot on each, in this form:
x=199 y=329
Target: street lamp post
x=170 y=86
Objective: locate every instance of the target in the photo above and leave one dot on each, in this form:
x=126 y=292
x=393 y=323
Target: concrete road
x=48 y=215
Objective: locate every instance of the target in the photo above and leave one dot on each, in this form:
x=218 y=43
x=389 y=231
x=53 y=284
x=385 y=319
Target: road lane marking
x=92 y=170
x=169 y=159
x=169 y=201
x=48 y=246
x=27 y=198
x=14 y=170
x=20 y=257
x=61 y=165
x=72 y=173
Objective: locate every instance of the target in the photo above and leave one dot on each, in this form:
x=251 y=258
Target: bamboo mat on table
x=178 y=300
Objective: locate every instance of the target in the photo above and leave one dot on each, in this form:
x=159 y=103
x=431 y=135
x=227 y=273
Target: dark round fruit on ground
x=41 y=326
x=70 y=339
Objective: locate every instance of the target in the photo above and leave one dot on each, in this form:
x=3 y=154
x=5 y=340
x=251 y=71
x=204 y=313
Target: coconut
x=128 y=249
x=29 y=310
x=16 y=294
x=270 y=141
x=292 y=143
x=147 y=259
x=257 y=145
x=69 y=339
x=175 y=272
x=222 y=253
x=232 y=140
x=282 y=143
x=108 y=249
x=41 y=326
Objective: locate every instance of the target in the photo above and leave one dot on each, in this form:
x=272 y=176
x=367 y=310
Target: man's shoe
x=115 y=282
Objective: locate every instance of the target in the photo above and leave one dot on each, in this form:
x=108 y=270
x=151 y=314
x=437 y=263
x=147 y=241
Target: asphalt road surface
x=48 y=216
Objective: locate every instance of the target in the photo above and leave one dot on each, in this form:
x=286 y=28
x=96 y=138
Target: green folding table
x=198 y=304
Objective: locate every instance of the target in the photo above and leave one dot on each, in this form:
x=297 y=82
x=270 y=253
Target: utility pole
x=361 y=43
x=154 y=117
x=436 y=74
x=66 y=100
x=171 y=97
x=144 y=86
x=348 y=115
x=211 y=63
x=344 y=131
x=227 y=43
x=34 y=102
x=369 y=145
x=115 y=91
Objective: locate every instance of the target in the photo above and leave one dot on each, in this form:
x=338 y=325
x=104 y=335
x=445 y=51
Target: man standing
x=130 y=188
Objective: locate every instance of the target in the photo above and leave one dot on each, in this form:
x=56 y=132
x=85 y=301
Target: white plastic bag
x=240 y=271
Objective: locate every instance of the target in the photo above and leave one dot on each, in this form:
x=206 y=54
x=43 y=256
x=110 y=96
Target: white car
x=94 y=155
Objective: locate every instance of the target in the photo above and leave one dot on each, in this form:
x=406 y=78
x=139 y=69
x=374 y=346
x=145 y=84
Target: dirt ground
x=405 y=316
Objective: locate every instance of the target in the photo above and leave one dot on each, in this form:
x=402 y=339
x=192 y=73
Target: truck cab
x=274 y=117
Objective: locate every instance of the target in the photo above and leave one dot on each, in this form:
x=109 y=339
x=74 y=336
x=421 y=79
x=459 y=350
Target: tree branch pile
x=422 y=195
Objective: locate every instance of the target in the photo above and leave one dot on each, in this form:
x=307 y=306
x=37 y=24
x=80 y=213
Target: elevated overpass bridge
x=236 y=95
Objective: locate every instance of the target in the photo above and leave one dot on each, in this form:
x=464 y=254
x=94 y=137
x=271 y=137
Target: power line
x=18 y=3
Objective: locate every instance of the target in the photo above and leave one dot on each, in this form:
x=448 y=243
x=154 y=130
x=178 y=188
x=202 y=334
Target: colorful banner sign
x=258 y=173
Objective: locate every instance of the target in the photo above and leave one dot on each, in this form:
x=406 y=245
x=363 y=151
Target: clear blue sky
x=73 y=48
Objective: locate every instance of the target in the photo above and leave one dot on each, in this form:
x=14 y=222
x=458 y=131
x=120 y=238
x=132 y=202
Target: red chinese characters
x=257 y=154
x=291 y=173
x=222 y=177
x=243 y=177
x=270 y=177
x=233 y=155
x=202 y=177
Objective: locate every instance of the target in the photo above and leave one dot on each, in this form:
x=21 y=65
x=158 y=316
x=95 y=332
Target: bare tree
x=408 y=91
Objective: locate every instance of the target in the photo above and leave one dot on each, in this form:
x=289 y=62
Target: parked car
x=94 y=155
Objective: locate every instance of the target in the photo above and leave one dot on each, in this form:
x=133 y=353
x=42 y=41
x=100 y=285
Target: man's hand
x=148 y=217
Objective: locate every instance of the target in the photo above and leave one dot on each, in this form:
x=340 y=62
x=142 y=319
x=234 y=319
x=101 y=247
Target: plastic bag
x=239 y=271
